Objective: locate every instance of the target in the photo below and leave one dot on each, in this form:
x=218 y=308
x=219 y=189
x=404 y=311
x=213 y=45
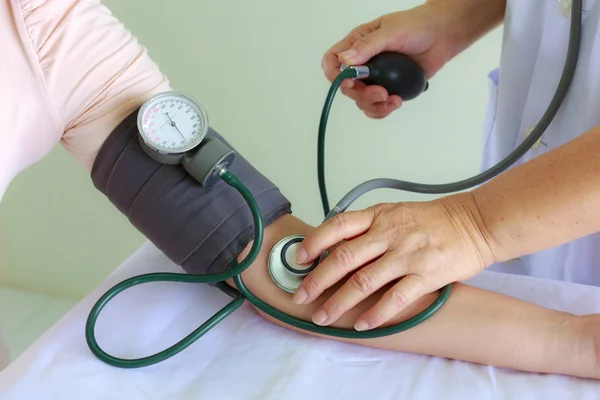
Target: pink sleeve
x=95 y=70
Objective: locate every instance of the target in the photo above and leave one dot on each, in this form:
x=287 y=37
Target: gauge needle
x=174 y=125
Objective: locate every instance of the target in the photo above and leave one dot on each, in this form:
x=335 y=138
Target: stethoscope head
x=285 y=272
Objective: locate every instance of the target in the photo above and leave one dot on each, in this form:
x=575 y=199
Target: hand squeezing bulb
x=397 y=73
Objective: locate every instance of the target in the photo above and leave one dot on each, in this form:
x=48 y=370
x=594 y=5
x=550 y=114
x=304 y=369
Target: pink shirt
x=69 y=73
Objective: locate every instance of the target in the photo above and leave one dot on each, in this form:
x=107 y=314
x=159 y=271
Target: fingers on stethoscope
x=358 y=287
x=344 y=226
x=342 y=260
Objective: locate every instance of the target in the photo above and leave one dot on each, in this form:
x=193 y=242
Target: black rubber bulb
x=398 y=74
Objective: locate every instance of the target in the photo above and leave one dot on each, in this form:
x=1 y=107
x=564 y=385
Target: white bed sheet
x=246 y=357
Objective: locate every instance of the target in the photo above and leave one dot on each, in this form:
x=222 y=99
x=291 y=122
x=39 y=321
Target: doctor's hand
x=415 y=248
x=421 y=32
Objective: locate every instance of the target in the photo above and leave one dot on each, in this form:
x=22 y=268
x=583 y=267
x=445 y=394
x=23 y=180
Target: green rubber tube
x=348 y=73
x=242 y=293
x=238 y=300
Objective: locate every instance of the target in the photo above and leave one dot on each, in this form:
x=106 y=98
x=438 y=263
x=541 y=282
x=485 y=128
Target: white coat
x=536 y=35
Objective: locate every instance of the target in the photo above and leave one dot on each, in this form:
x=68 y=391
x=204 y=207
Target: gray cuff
x=203 y=230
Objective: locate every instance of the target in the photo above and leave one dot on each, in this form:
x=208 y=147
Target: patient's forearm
x=474 y=325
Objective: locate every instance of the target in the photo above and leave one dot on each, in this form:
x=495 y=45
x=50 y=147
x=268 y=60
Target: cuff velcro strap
x=201 y=229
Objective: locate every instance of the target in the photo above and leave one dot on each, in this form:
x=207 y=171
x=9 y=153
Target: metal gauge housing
x=171 y=124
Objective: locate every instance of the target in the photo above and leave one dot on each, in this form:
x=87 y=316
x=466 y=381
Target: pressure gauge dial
x=171 y=124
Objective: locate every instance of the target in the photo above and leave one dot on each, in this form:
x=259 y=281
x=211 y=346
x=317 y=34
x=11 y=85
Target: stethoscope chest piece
x=284 y=270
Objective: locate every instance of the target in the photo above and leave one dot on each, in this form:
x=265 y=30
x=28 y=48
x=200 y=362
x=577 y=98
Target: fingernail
x=361 y=326
x=348 y=54
x=320 y=317
x=349 y=83
x=378 y=98
x=300 y=296
x=392 y=104
x=301 y=255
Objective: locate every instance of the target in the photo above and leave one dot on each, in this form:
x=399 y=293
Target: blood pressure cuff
x=202 y=230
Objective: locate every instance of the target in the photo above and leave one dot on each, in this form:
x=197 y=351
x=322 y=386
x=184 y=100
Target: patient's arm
x=474 y=325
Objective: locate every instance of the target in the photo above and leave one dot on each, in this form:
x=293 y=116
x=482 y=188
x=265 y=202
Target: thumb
x=367 y=47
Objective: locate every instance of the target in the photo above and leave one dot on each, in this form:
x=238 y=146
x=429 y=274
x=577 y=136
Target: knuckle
x=379 y=209
x=359 y=32
x=383 y=110
x=421 y=281
x=332 y=308
x=349 y=92
x=397 y=298
x=310 y=284
x=363 y=282
x=364 y=44
x=366 y=106
x=343 y=256
x=340 y=222
x=403 y=217
x=376 y=318
x=380 y=214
